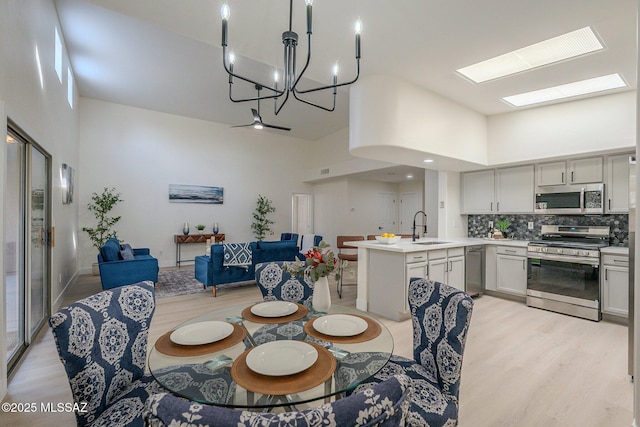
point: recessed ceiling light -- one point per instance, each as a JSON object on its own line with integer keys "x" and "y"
{"x": 428, "y": 160}
{"x": 546, "y": 52}
{"x": 10, "y": 139}
{"x": 583, "y": 87}
{"x": 409, "y": 176}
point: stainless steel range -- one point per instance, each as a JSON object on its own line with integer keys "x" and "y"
{"x": 564, "y": 270}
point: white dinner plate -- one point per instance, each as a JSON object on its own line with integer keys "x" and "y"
{"x": 201, "y": 333}
{"x": 340, "y": 325}
{"x": 274, "y": 309}
{"x": 281, "y": 357}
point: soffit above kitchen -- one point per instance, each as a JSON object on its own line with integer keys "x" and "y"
{"x": 165, "y": 55}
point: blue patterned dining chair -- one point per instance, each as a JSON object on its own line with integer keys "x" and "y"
{"x": 278, "y": 285}
{"x": 102, "y": 343}
{"x": 440, "y": 316}
{"x": 383, "y": 405}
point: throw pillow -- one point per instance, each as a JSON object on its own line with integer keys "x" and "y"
{"x": 126, "y": 252}
{"x": 111, "y": 250}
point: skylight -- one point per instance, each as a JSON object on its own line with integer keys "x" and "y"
{"x": 546, "y": 52}
{"x": 58, "y": 55}
{"x": 583, "y": 87}
{"x": 70, "y": 87}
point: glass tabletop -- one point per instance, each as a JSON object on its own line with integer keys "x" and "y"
{"x": 348, "y": 346}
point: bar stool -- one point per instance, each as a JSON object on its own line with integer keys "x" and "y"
{"x": 345, "y": 256}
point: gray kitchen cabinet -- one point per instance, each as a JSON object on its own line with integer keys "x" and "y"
{"x": 584, "y": 171}
{"x": 553, "y": 173}
{"x": 511, "y": 270}
{"x": 615, "y": 285}
{"x": 578, "y": 171}
{"x": 478, "y": 192}
{"x": 389, "y": 275}
{"x": 617, "y": 184}
{"x": 514, "y": 189}
{"x": 447, "y": 266}
{"x": 506, "y": 190}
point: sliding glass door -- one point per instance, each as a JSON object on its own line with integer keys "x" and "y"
{"x": 38, "y": 230}
{"x": 14, "y": 240}
{"x": 27, "y": 255}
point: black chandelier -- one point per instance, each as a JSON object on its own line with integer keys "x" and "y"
{"x": 290, "y": 79}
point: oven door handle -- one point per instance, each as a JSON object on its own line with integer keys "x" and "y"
{"x": 582, "y": 199}
{"x": 571, "y": 260}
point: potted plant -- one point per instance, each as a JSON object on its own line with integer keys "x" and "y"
{"x": 502, "y": 225}
{"x": 101, "y": 204}
{"x": 261, "y": 224}
{"x": 200, "y": 228}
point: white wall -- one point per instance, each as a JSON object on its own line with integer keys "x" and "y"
{"x": 140, "y": 152}
{"x": 569, "y": 129}
{"x": 451, "y": 223}
{"x": 43, "y": 113}
{"x": 392, "y": 120}
{"x": 431, "y": 198}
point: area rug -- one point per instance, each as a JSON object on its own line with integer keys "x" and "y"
{"x": 177, "y": 282}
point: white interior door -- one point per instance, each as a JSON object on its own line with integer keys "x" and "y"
{"x": 387, "y": 213}
{"x": 301, "y": 214}
{"x": 409, "y": 205}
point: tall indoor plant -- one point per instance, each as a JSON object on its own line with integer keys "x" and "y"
{"x": 101, "y": 204}
{"x": 261, "y": 225}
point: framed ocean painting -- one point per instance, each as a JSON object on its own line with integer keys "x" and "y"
{"x": 195, "y": 194}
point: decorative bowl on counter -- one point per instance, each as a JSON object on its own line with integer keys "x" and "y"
{"x": 388, "y": 240}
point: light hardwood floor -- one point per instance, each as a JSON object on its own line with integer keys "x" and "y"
{"x": 522, "y": 366}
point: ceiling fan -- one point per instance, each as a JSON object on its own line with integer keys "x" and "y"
{"x": 257, "y": 119}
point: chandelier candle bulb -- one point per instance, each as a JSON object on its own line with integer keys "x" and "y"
{"x": 309, "y": 20}
{"x": 358, "y": 32}
{"x": 224, "y": 12}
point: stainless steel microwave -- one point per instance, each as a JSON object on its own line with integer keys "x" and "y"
{"x": 570, "y": 199}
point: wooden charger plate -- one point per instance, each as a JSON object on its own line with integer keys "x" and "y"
{"x": 315, "y": 375}
{"x": 297, "y": 315}
{"x": 373, "y": 330}
{"x": 165, "y": 346}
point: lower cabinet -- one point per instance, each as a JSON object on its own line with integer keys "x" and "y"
{"x": 447, "y": 266}
{"x": 615, "y": 285}
{"x": 511, "y": 270}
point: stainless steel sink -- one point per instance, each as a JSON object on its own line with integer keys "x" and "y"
{"x": 431, "y": 243}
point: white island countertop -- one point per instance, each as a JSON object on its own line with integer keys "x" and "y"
{"x": 422, "y": 244}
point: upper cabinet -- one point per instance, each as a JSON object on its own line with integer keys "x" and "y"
{"x": 478, "y": 194}
{"x": 617, "y": 184}
{"x": 551, "y": 173}
{"x": 584, "y": 171}
{"x": 581, "y": 171}
{"x": 514, "y": 189}
{"x": 507, "y": 190}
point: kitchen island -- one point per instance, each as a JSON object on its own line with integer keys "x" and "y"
{"x": 385, "y": 270}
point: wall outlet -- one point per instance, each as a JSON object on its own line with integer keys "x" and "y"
{"x": 490, "y": 224}
{"x": 530, "y": 225}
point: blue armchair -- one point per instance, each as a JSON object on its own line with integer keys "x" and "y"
{"x": 122, "y": 265}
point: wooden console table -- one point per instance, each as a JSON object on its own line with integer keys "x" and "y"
{"x": 182, "y": 239}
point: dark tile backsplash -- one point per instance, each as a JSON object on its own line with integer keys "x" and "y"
{"x": 478, "y": 225}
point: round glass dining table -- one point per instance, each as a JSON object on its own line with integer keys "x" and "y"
{"x": 235, "y": 358}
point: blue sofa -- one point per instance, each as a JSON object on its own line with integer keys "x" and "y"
{"x": 293, "y": 237}
{"x": 122, "y": 265}
{"x": 212, "y": 271}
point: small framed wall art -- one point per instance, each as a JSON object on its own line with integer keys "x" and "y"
{"x": 66, "y": 182}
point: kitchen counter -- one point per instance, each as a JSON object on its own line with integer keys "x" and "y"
{"x": 384, "y": 270}
{"x": 614, "y": 250}
{"x": 406, "y": 245}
